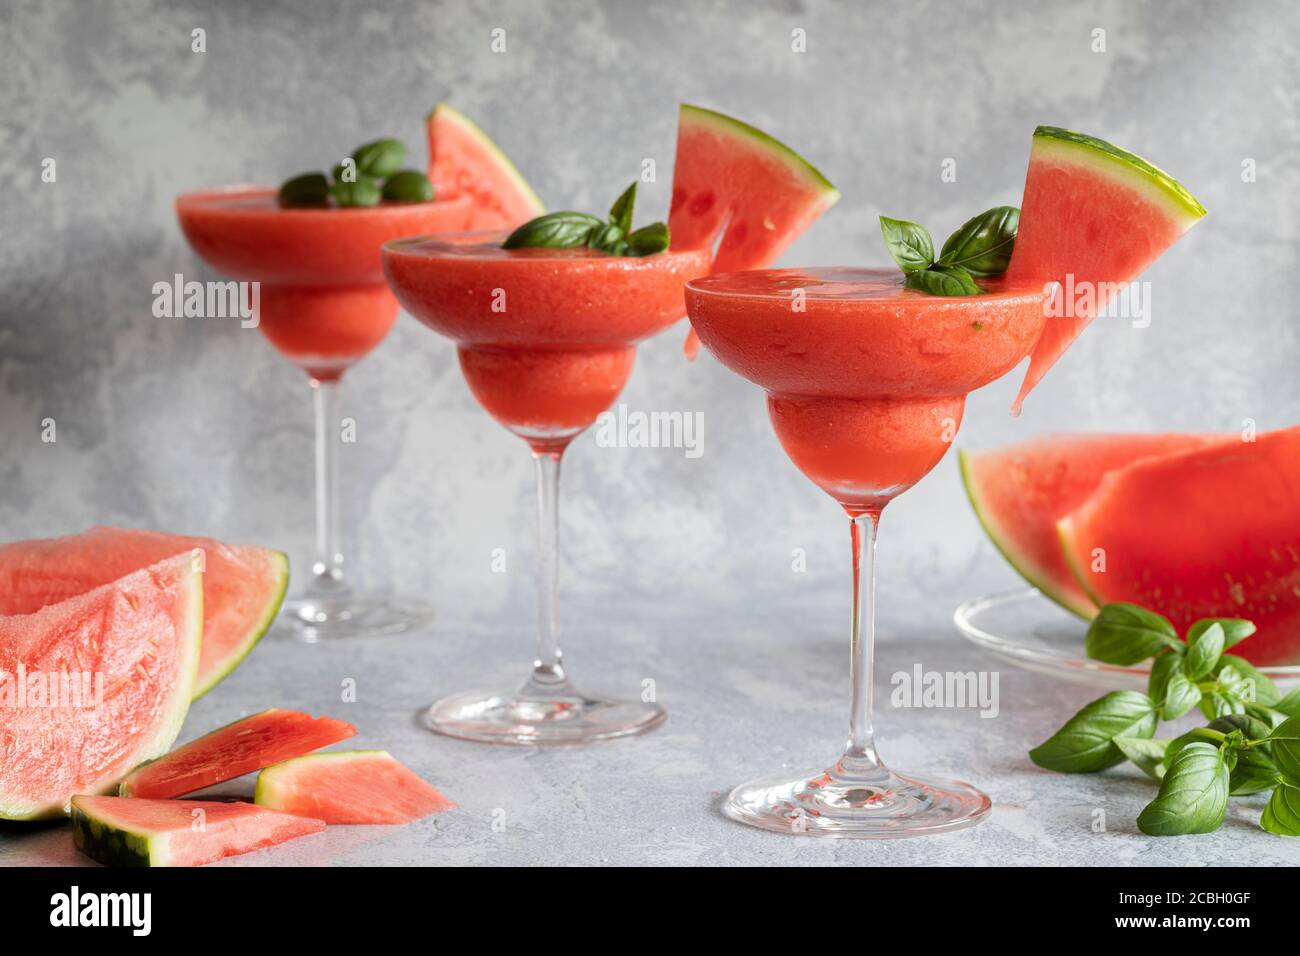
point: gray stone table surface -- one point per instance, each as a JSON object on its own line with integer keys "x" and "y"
{"x": 676, "y": 569}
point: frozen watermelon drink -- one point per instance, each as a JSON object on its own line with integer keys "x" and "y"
{"x": 546, "y": 321}
{"x": 866, "y": 373}
{"x": 313, "y": 248}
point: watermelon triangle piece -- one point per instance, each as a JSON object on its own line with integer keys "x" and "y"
{"x": 349, "y": 786}
{"x": 243, "y": 586}
{"x": 463, "y": 159}
{"x": 1093, "y": 215}
{"x": 233, "y": 750}
{"x": 117, "y": 831}
{"x": 1212, "y": 531}
{"x": 1020, "y": 492}
{"x": 740, "y": 189}
{"x": 114, "y": 669}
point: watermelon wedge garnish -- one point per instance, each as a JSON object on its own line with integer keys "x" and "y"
{"x": 1211, "y": 531}
{"x": 1020, "y": 492}
{"x": 233, "y": 750}
{"x": 463, "y": 160}
{"x": 243, "y": 586}
{"x": 114, "y": 669}
{"x": 117, "y": 831}
{"x": 1092, "y": 215}
{"x": 735, "y": 181}
{"x": 349, "y": 786}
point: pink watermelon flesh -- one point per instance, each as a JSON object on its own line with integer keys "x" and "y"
{"x": 463, "y": 160}
{"x": 735, "y": 181}
{"x": 118, "y": 831}
{"x": 242, "y": 585}
{"x": 234, "y": 750}
{"x": 1207, "y": 532}
{"x": 1020, "y": 492}
{"x": 138, "y": 638}
{"x": 1092, "y": 215}
{"x": 358, "y": 786}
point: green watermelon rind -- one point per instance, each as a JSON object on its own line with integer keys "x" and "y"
{"x": 257, "y": 632}
{"x": 1109, "y": 159}
{"x": 1064, "y": 533}
{"x": 116, "y": 844}
{"x": 503, "y": 162}
{"x": 167, "y": 731}
{"x": 732, "y": 127}
{"x": 1002, "y": 543}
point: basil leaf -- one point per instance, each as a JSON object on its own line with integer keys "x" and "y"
{"x": 1164, "y": 667}
{"x": 1254, "y": 770}
{"x": 608, "y": 238}
{"x": 1181, "y": 695}
{"x": 1193, "y": 794}
{"x": 364, "y": 192}
{"x": 1284, "y": 742}
{"x": 909, "y": 244}
{"x": 620, "y": 214}
{"x": 382, "y": 158}
{"x": 1148, "y": 755}
{"x": 1290, "y": 704}
{"x": 982, "y": 246}
{"x": 1268, "y": 715}
{"x": 1220, "y": 703}
{"x": 1282, "y": 815}
{"x": 1086, "y": 743}
{"x": 1234, "y": 629}
{"x": 1204, "y": 734}
{"x": 648, "y": 240}
{"x": 309, "y": 189}
{"x": 409, "y": 185}
{"x": 555, "y": 230}
{"x": 943, "y": 280}
{"x": 1260, "y": 686}
{"x": 1125, "y": 634}
{"x": 1203, "y": 650}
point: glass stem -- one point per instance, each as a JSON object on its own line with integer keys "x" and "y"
{"x": 548, "y": 668}
{"x": 328, "y": 566}
{"x": 861, "y": 748}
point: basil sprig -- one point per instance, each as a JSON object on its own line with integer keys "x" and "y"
{"x": 981, "y": 247}
{"x": 371, "y": 174}
{"x": 614, "y": 236}
{"x": 1250, "y": 745}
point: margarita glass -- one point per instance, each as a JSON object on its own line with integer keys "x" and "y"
{"x": 866, "y": 381}
{"x": 324, "y": 305}
{"x": 546, "y": 339}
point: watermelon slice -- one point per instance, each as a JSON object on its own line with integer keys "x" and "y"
{"x": 120, "y": 832}
{"x": 1092, "y": 215}
{"x": 349, "y": 786}
{"x": 733, "y": 180}
{"x": 234, "y": 750}
{"x": 462, "y": 159}
{"x": 1020, "y": 492}
{"x": 1207, "y": 532}
{"x": 242, "y": 585}
{"x": 114, "y": 669}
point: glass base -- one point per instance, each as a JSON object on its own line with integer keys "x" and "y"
{"x": 541, "y": 717}
{"x": 861, "y": 803}
{"x": 312, "y": 618}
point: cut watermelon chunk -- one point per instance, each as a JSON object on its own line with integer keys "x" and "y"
{"x": 243, "y": 586}
{"x": 121, "y": 832}
{"x": 233, "y": 750}
{"x": 1092, "y": 215}
{"x": 462, "y": 159}
{"x": 1020, "y": 492}
{"x": 1208, "y": 532}
{"x": 732, "y": 179}
{"x": 349, "y": 786}
{"x": 92, "y": 685}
